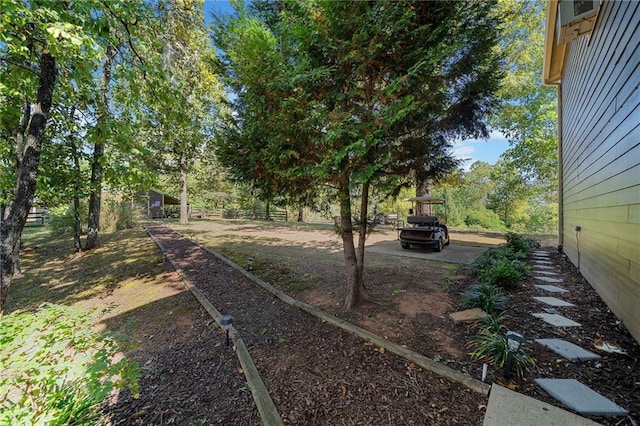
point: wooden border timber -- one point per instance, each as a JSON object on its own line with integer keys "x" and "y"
{"x": 419, "y": 359}
{"x": 266, "y": 408}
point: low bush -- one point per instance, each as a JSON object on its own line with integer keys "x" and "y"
{"x": 118, "y": 215}
{"x": 519, "y": 243}
{"x": 55, "y": 370}
{"x": 61, "y": 219}
{"x": 485, "y": 296}
{"x": 504, "y": 273}
{"x": 492, "y": 255}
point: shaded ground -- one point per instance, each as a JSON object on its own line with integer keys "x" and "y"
{"x": 316, "y": 374}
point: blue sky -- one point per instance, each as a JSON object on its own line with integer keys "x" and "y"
{"x": 488, "y": 150}
{"x": 470, "y": 150}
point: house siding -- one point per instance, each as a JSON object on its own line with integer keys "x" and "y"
{"x": 601, "y": 158}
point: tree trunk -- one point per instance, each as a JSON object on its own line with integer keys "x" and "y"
{"x": 15, "y": 214}
{"x": 424, "y": 188}
{"x": 95, "y": 197}
{"x": 184, "y": 205}
{"x": 77, "y": 228}
{"x": 300, "y": 215}
{"x": 354, "y": 278}
{"x": 267, "y": 212}
{"x": 362, "y": 235}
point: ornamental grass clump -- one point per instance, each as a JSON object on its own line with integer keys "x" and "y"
{"x": 485, "y": 296}
{"x": 55, "y": 370}
{"x": 490, "y": 345}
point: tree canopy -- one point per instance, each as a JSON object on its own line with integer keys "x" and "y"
{"x": 354, "y": 94}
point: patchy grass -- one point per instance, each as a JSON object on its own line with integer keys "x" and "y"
{"x": 54, "y": 272}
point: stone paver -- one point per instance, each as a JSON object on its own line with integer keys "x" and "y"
{"x": 580, "y": 397}
{"x": 557, "y": 320}
{"x": 543, "y": 262}
{"x": 546, "y": 253}
{"x": 551, "y": 288}
{"x": 506, "y": 407}
{"x": 553, "y": 301}
{"x": 568, "y": 350}
{"x": 547, "y": 279}
{"x": 469, "y": 315}
{"x": 543, "y": 256}
{"x": 543, "y": 267}
{"x": 535, "y": 271}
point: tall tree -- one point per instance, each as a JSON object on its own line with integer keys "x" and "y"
{"x": 354, "y": 95}
{"x": 528, "y": 116}
{"x": 42, "y": 44}
{"x": 185, "y": 103}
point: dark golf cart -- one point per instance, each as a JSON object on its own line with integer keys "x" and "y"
{"x": 426, "y": 224}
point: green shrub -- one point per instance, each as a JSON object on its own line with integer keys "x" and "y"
{"x": 118, "y": 215}
{"x": 61, "y": 219}
{"x": 490, "y": 257}
{"x": 55, "y": 370}
{"x": 492, "y": 347}
{"x": 485, "y": 296}
{"x": 504, "y": 273}
{"x": 483, "y": 219}
{"x": 230, "y": 213}
{"x": 519, "y": 243}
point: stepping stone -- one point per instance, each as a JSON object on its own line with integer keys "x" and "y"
{"x": 543, "y": 262}
{"x": 470, "y": 315}
{"x": 553, "y": 301}
{"x": 507, "y": 407}
{"x": 543, "y": 267}
{"x": 557, "y": 320}
{"x": 542, "y": 252}
{"x": 535, "y": 271}
{"x": 568, "y": 350}
{"x": 551, "y": 288}
{"x": 581, "y": 398}
{"x": 544, "y": 256}
{"x": 548, "y": 279}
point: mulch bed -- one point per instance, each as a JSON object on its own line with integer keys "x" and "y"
{"x": 614, "y": 376}
{"x": 316, "y": 374}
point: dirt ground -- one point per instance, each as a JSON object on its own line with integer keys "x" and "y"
{"x": 316, "y": 374}
{"x": 415, "y": 297}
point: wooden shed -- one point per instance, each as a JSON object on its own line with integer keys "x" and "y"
{"x": 157, "y": 202}
{"x": 592, "y": 56}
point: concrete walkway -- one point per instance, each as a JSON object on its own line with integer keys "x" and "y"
{"x": 452, "y": 253}
{"x": 507, "y": 408}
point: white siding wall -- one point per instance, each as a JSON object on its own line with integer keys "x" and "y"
{"x": 601, "y": 158}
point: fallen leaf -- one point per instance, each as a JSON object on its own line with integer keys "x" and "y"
{"x": 240, "y": 370}
{"x": 344, "y": 390}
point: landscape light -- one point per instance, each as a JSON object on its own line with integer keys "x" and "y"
{"x": 249, "y": 263}
{"x": 226, "y": 323}
{"x": 514, "y": 342}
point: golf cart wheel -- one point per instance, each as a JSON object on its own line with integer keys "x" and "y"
{"x": 405, "y": 245}
{"x": 438, "y": 246}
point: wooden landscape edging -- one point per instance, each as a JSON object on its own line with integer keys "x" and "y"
{"x": 266, "y": 408}
{"x": 419, "y": 359}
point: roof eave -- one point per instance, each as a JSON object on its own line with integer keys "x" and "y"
{"x": 553, "y": 53}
